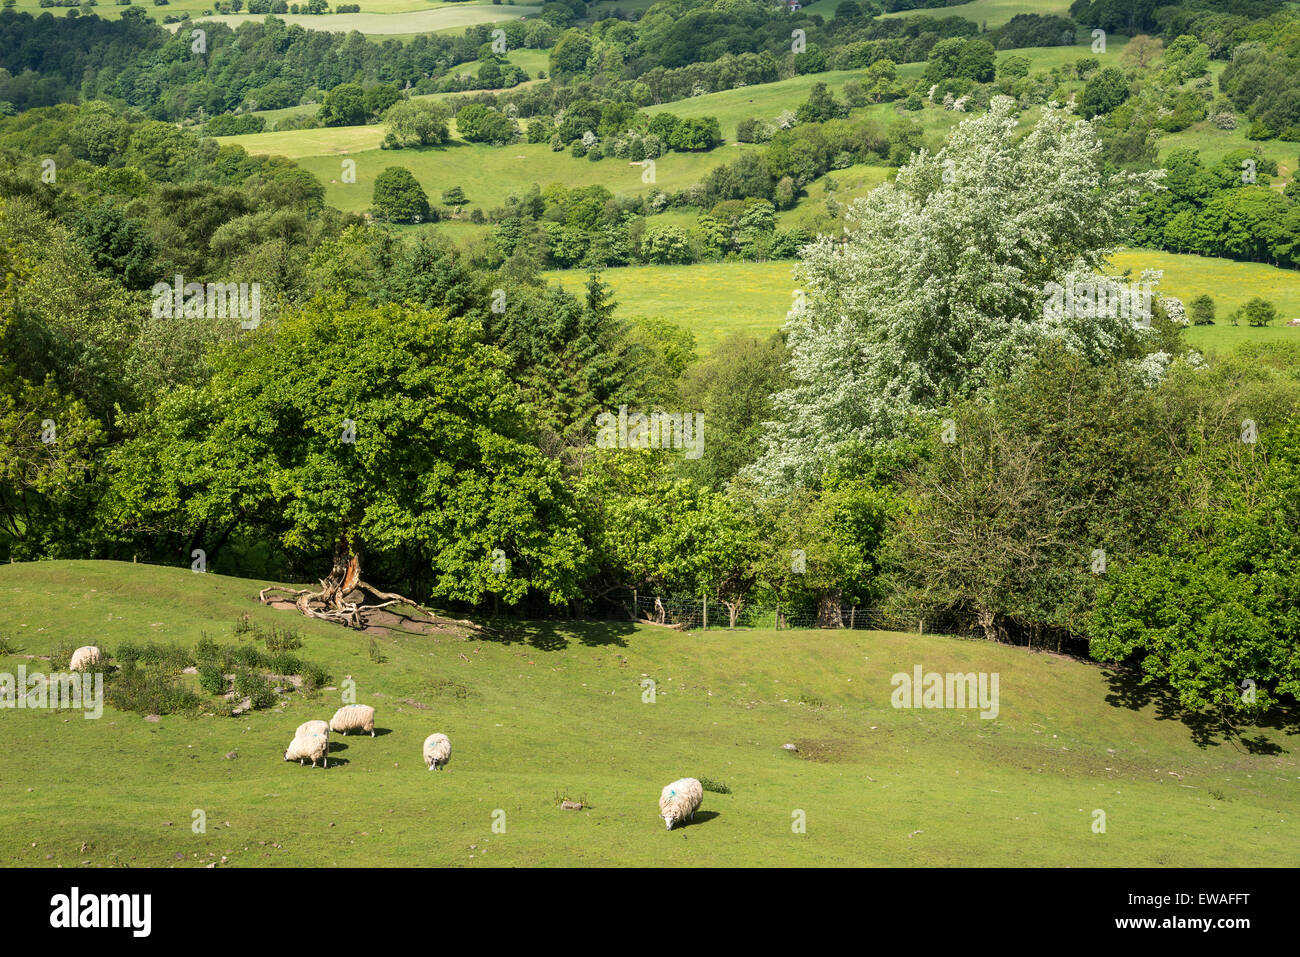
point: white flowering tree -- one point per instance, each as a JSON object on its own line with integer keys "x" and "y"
{"x": 940, "y": 285}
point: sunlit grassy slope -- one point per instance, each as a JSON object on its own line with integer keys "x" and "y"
{"x": 541, "y": 711}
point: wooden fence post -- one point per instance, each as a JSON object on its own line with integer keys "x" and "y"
{"x": 706, "y": 612}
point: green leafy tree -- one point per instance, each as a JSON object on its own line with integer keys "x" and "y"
{"x": 1103, "y": 93}
{"x": 345, "y": 105}
{"x": 1259, "y": 312}
{"x": 416, "y": 123}
{"x": 1202, "y": 310}
{"x": 387, "y": 437}
{"x": 903, "y": 317}
{"x": 398, "y": 197}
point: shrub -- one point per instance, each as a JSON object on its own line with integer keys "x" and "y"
{"x": 61, "y": 655}
{"x": 254, "y": 687}
{"x": 283, "y": 663}
{"x": 212, "y": 678}
{"x": 146, "y": 691}
{"x": 717, "y": 787}
{"x": 282, "y": 640}
{"x": 314, "y": 676}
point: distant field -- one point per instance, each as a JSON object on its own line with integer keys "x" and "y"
{"x": 489, "y": 174}
{"x": 765, "y": 100}
{"x": 447, "y": 16}
{"x": 714, "y": 300}
{"x": 1213, "y": 144}
{"x": 1230, "y": 284}
{"x": 995, "y": 13}
{"x": 325, "y": 141}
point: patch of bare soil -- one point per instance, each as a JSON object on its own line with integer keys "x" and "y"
{"x": 405, "y": 619}
{"x": 826, "y": 750}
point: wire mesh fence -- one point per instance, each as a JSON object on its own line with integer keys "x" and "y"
{"x": 711, "y": 612}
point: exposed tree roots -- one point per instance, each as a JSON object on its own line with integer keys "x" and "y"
{"x": 343, "y": 597}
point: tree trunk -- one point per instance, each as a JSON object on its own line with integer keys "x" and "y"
{"x": 331, "y": 602}
{"x": 828, "y": 610}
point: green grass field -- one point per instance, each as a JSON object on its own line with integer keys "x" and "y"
{"x": 445, "y": 16}
{"x": 765, "y": 100}
{"x": 489, "y": 174}
{"x": 542, "y": 711}
{"x": 712, "y": 300}
{"x": 994, "y": 13}
{"x": 715, "y": 300}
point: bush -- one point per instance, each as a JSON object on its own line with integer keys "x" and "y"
{"x": 212, "y": 678}
{"x": 278, "y": 640}
{"x": 283, "y": 663}
{"x": 314, "y": 676}
{"x": 717, "y": 787}
{"x": 145, "y": 691}
{"x": 165, "y": 657}
{"x": 254, "y": 686}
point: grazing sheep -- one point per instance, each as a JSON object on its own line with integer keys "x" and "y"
{"x": 312, "y": 740}
{"x": 83, "y": 657}
{"x": 354, "y": 717}
{"x": 680, "y": 800}
{"x": 437, "y": 751}
{"x": 308, "y": 728}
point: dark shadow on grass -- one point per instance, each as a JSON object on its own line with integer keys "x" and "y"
{"x": 556, "y": 635}
{"x": 1207, "y": 729}
{"x": 700, "y": 818}
{"x": 337, "y": 746}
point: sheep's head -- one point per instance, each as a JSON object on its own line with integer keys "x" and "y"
{"x": 668, "y": 821}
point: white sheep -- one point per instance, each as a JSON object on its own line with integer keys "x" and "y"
{"x": 354, "y": 717}
{"x": 83, "y": 657}
{"x": 437, "y": 751}
{"x": 680, "y": 800}
{"x": 311, "y": 740}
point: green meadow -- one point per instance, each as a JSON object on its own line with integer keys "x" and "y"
{"x": 716, "y": 300}
{"x": 993, "y": 13}
{"x": 450, "y": 16}
{"x": 539, "y": 712}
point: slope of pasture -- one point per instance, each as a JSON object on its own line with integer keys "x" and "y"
{"x": 765, "y": 100}
{"x": 1213, "y": 144}
{"x": 714, "y": 300}
{"x": 439, "y": 17}
{"x": 1230, "y": 284}
{"x": 489, "y": 174}
{"x": 994, "y": 13}
{"x": 541, "y": 711}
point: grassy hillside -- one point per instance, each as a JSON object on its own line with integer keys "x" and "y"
{"x": 489, "y": 174}
{"x": 440, "y": 17}
{"x": 994, "y": 13}
{"x": 714, "y": 300}
{"x": 537, "y": 712}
